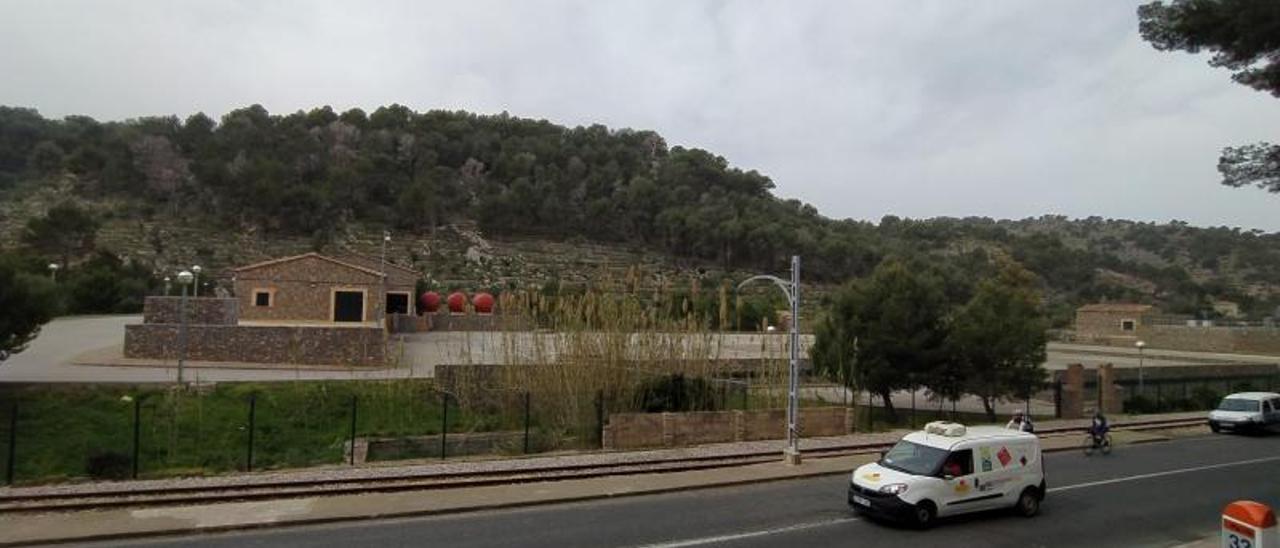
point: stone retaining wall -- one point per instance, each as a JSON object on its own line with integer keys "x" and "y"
{"x": 445, "y": 321}
{"x": 636, "y": 430}
{"x": 1243, "y": 340}
{"x": 307, "y": 345}
{"x": 200, "y": 310}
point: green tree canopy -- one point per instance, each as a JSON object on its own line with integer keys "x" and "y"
{"x": 892, "y": 328}
{"x": 999, "y": 338}
{"x": 27, "y": 301}
{"x": 1244, "y": 36}
{"x": 65, "y": 231}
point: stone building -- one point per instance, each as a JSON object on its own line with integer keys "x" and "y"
{"x": 315, "y": 288}
{"x": 1112, "y": 320}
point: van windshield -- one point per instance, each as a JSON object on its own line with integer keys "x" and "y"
{"x": 914, "y": 458}
{"x": 1237, "y": 404}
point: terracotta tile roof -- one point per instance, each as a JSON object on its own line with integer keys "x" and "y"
{"x": 1115, "y": 307}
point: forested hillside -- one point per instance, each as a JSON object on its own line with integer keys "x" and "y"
{"x": 311, "y": 176}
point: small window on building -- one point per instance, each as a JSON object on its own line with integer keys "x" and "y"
{"x": 261, "y": 298}
{"x": 397, "y": 303}
{"x": 1128, "y": 325}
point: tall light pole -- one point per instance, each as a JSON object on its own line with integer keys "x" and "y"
{"x": 184, "y": 279}
{"x": 196, "y": 270}
{"x": 1140, "y": 346}
{"x": 53, "y": 272}
{"x": 382, "y": 297}
{"x": 790, "y": 455}
{"x": 166, "y": 286}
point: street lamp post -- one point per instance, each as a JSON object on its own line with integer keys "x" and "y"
{"x": 790, "y": 455}
{"x": 53, "y": 272}
{"x": 184, "y": 279}
{"x": 166, "y": 286}
{"x": 196, "y": 270}
{"x": 382, "y": 298}
{"x": 1140, "y": 346}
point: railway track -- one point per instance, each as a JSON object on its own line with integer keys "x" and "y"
{"x": 73, "y": 500}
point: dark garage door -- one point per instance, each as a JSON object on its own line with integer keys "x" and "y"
{"x": 348, "y": 306}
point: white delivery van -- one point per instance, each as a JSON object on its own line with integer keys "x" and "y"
{"x": 947, "y": 469}
{"x": 1257, "y": 411}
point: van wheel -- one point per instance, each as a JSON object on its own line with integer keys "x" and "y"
{"x": 925, "y": 514}
{"x": 1028, "y": 503}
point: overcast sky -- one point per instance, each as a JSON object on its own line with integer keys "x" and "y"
{"x": 1005, "y": 109}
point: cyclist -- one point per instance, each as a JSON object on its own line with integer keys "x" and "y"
{"x": 1020, "y": 422}
{"x": 1098, "y": 427}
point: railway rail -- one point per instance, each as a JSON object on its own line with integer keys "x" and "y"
{"x": 125, "y": 496}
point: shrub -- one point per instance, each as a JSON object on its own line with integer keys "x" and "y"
{"x": 108, "y": 465}
{"x": 1205, "y": 397}
{"x": 1139, "y": 404}
{"x": 675, "y": 393}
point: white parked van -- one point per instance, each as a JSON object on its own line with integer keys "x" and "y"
{"x": 947, "y": 469}
{"x": 1246, "y": 411}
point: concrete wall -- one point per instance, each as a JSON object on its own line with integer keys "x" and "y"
{"x": 445, "y": 321}
{"x": 202, "y": 310}
{"x": 303, "y": 290}
{"x": 634, "y": 430}
{"x": 312, "y": 345}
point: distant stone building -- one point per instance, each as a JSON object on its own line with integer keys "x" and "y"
{"x": 305, "y": 309}
{"x": 321, "y": 289}
{"x": 1227, "y": 309}
{"x": 1104, "y": 321}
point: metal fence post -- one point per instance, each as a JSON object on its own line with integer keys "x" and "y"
{"x": 354, "y": 404}
{"x": 137, "y": 431}
{"x": 12, "y": 462}
{"x": 913, "y": 407}
{"x": 253, "y": 411}
{"x": 1057, "y": 399}
{"x": 526, "y": 423}
{"x": 600, "y": 417}
{"x": 444, "y": 425}
{"x": 871, "y": 411}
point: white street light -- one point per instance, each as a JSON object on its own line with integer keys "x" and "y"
{"x": 791, "y": 454}
{"x": 1140, "y": 346}
{"x": 53, "y": 271}
{"x": 184, "y": 279}
{"x": 196, "y": 270}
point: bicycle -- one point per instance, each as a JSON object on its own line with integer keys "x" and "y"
{"x": 1095, "y": 443}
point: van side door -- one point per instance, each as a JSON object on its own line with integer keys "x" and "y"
{"x": 961, "y": 484}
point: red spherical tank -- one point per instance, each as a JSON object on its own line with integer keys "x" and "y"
{"x": 483, "y": 303}
{"x": 457, "y": 302}
{"x": 430, "y": 301}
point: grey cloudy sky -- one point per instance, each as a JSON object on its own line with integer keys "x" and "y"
{"x": 1004, "y": 109}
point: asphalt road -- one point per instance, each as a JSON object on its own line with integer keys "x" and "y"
{"x": 1160, "y": 494}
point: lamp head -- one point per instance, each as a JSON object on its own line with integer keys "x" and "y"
{"x": 185, "y": 277}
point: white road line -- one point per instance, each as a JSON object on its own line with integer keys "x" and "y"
{"x": 751, "y": 534}
{"x": 812, "y": 525}
{"x": 1161, "y": 474}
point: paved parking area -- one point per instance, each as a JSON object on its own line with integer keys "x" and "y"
{"x": 66, "y": 346}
